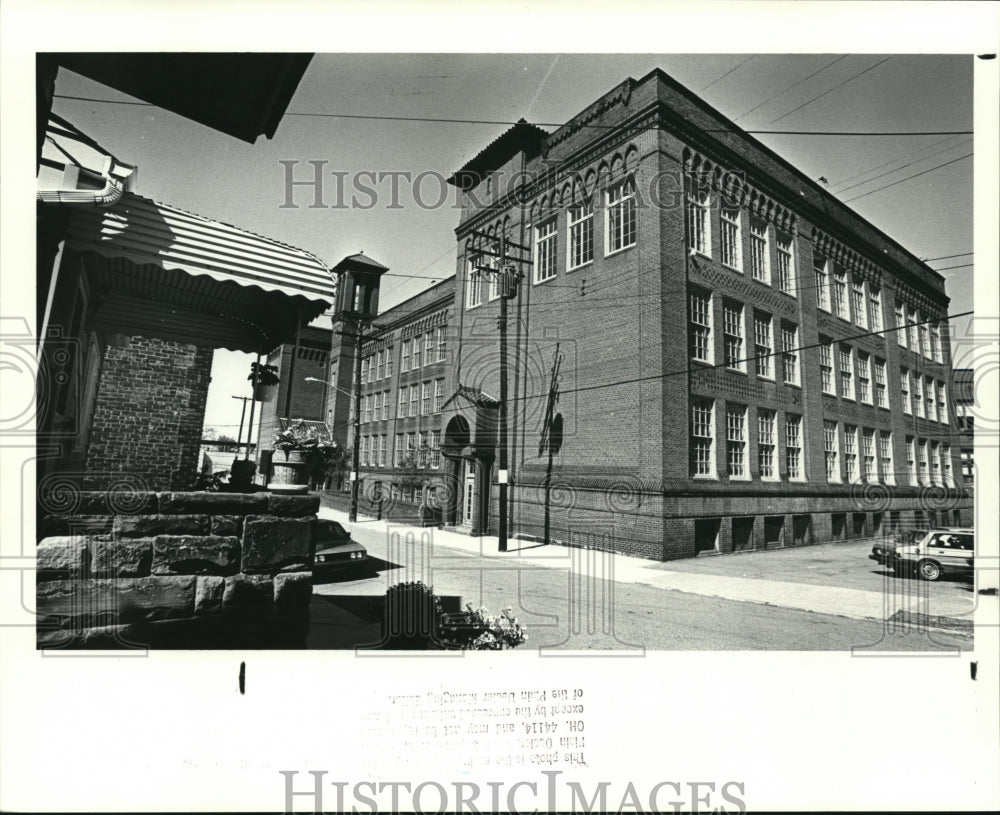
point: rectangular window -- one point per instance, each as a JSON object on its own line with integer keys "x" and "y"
{"x": 912, "y": 339}
{"x": 881, "y": 397}
{"x": 404, "y": 362}
{"x": 363, "y": 452}
{"x": 421, "y": 449}
{"x": 736, "y": 441}
{"x": 765, "y": 444}
{"x": 388, "y": 361}
{"x": 397, "y": 453}
{"x": 874, "y": 308}
{"x": 858, "y": 303}
{"x": 911, "y": 461}
{"x": 925, "y": 343}
{"x": 438, "y": 395}
{"x": 425, "y": 398}
{"x": 946, "y": 465}
{"x": 364, "y": 370}
{"x": 868, "y": 453}
{"x": 904, "y": 387}
{"x": 732, "y": 250}
{"x": 414, "y": 393}
{"x": 621, "y": 217}
{"x": 851, "y": 452}
{"x": 763, "y": 347}
{"x": 936, "y": 343}
{"x": 381, "y": 363}
{"x": 702, "y": 436}
{"x": 435, "y": 451}
{"x": 698, "y": 223}
{"x": 826, "y": 365}
{"x": 901, "y": 329}
{"x": 760, "y": 256}
{"x": 918, "y": 395}
{"x": 793, "y": 446}
{"x": 545, "y": 251}
{"x": 922, "y": 471}
{"x": 822, "y": 286}
{"x": 381, "y": 450}
{"x": 885, "y": 456}
{"x": 846, "y": 372}
{"x": 864, "y": 378}
{"x": 386, "y": 406}
{"x": 840, "y": 294}
{"x": 473, "y": 290}
{"x": 942, "y": 404}
{"x": 830, "y": 451}
{"x": 411, "y": 447}
{"x": 442, "y": 341}
{"x": 929, "y": 391}
{"x": 786, "y": 265}
{"x": 935, "y": 463}
{"x": 581, "y": 235}
{"x": 494, "y": 282}
{"x": 700, "y": 326}
{"x": 401, "y": 412}
{"x": 732, "y": 322}
{"x": 790, "y": 354}
{"x": 417, "y": 352}
{"x": 429, "y": 345}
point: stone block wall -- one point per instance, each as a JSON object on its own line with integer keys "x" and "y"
{"x": 180, "y": 570}
{"x": 149, "y": 414}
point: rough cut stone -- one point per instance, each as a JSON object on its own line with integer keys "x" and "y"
{"x": 125, "y": 637}
{"x": 63, "y": 557}
{"x": 276, "y": 544}
{"x": 127, "y": 558}
{"x": 55, "y": 525}
{"x": 213, "y": 503}
{"x": 149, "y": 526}
{"x": 292, "y": 591}
{"x": 227, "y": 525}
{"x": 208, "y": 595}
{"x": 101, "y": 502}
{"x": 292, "y": 506}
{"x": 95, "y": 603}
{"x": 248, "y": 593}
{"x": 191, "y": 554}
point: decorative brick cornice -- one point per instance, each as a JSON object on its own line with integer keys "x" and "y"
{"x": 857, "y": 263}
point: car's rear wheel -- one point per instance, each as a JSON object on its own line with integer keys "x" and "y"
{"x": 929, "y": 570}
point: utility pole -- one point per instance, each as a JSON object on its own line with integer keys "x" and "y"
{"x": 243, "y": 413}
{"x": 356, "y": 452}
{"x": 503, "y": 475}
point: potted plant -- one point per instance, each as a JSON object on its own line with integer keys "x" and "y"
{"x": 303, "y": 450}
{"x": 264, "y": 379}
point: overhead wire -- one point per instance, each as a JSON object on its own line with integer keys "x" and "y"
{"x": 830, "y": 90}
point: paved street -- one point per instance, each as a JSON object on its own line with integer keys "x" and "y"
{"x": 828, "y": 597}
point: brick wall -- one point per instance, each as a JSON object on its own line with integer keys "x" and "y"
{"x": 120, "y": 569}
{"x": 149, "y": 414}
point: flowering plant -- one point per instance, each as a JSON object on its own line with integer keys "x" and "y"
{"x": 478, "y": 630}
{"x": 263, "y": 374}
{"x": 302, "y": 437}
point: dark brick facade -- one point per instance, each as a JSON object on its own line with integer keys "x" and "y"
{"x": 149, "y": 415}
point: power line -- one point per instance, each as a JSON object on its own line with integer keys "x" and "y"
{"x": 947, "y": 257}
{"x": 727, "y": 73}
{"x": 434, "y": 120}
{"x": 831, "y": 90}
{"x": 915, "y": 175}
{"x": 893, "y": 160}
{"x": 795, "y": 85}
{"x": 901, "y": 167}
{"x": 709, "y": 366}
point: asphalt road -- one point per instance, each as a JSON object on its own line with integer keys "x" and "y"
{"x": 599, "y": 614}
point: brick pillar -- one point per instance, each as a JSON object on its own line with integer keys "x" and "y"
{"x": 149, "y": 414}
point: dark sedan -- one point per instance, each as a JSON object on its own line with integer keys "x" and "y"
{"x": 884, "y": 553}
{"x": 336, "y": 550}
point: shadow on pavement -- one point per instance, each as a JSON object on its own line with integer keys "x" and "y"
{"x": 346, "y": 622}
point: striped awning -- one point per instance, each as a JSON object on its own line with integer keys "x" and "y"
{"x": 197, "y": 275}
{"x": 147, "y": 232}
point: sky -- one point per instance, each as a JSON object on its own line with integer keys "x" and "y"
{"x": 193, "y": 167}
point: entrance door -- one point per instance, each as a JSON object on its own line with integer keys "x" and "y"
{"x": 468, "y": 493}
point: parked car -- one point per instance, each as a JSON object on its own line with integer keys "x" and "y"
{"x": 336, "y": 550}
{"x": 946, "y": 550}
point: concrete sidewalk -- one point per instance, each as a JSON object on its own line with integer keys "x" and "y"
{"x": 907, "y": 599}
